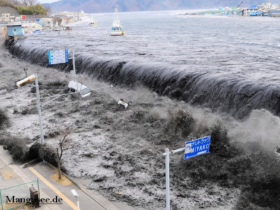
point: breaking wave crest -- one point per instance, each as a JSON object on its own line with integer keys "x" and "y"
{"x": 232, "y": 96}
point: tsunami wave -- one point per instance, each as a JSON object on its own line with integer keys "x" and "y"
{"x": 224, "y": 94}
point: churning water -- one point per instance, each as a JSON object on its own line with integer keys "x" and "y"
{"x": 229, "y": 64}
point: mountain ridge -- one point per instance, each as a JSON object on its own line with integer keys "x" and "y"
{"x": 96, "y": 6}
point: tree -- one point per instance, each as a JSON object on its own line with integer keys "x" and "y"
{"x": 25, "y": 3}
{"x": 48, "y": 9}
{"x": 15, "y": 2}
{"x": 31, "y": 2}
{"x": 61, "y": 149}
{"x": 31, "y": 10}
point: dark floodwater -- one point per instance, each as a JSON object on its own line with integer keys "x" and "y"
{"x": 229, "y": 64}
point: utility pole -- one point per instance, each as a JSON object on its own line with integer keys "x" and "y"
{"x": 74, "y": 67}
{"x": 39, "y": 108}
{"x": 30, "y": 79}
{"x": 167, "y": 178}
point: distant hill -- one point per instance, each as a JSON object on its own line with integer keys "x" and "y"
{"x": 143, "y": 5}
{"x": 16, "y": 10}
{"x": 7, "y": 7}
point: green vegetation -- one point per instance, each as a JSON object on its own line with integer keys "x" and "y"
{"x": 4, "y": 3}
{"x": 37, "y": 9}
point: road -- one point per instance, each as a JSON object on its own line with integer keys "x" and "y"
{"x": 15, "y": 175}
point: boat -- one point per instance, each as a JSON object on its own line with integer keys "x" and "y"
{"x": 116, "y": 29}
{"x": 67, "y": 28}
{"x": 36, "y": 32}
{"x": 56, "y": 27}
{"x": 92, "y": 23}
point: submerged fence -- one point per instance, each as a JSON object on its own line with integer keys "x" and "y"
{"x": 18, "y": 195}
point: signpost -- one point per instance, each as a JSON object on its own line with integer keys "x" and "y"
{"x": 192, "y": 149}
{"x": 197, "y": 147}
{"x": 61, "y": 56}
{"x": 58, "y": 56}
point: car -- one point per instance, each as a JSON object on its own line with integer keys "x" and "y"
{"x": 78, "y": 87}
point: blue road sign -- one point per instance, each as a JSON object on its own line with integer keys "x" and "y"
{"x": 58, "y": 56}
{"x": 197, "y": 147}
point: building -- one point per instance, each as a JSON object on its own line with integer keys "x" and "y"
{"x": 15, "y": 32}
{"x": 269, "y": 6}
{"x": 252, "y": 11}
{"x": 36, "y": 26}
{"x": 5, "y": 17}
{"x": 47, "y": 23}
{"x": 6, "y": 13}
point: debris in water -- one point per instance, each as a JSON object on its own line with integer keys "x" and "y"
{"x": 122, "y": 103}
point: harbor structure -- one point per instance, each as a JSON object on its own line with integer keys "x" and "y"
{"x": 265, "y": 9}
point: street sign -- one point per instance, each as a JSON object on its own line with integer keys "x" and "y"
{"x": 192, "y": 149}
{"x": 58, "y": 56}
{"x": 197, "y": 147}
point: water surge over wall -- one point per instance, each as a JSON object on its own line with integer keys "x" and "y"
{"x": 222, "y": 94}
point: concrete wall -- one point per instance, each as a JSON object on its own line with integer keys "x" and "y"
{"x": 10, "y": 10}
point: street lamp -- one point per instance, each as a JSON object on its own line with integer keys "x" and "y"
{"x": 76, "y": 195}
{"x": 30, "y": 79}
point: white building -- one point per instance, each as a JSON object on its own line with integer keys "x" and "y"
{"x": 269, "y": 6}
{"x": 48, "y": 23}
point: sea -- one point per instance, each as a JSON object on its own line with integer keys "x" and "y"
{"x": 229, "y": 64}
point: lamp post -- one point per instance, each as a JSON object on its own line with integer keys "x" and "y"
{"x": 75, "y": 194}
{"x": 74, "y": 68}
{"x": 30, "y": 79}
{"x": 39, "y": 109}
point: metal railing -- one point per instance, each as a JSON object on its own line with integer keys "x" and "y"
{"x": 16, "y": 196}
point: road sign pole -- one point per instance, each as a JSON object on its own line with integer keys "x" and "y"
{"x": 39, "y": 108}
{"x": 167, "y": 179}
{"x": 193, "y": 148}
{"x": 74, "y": 68}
